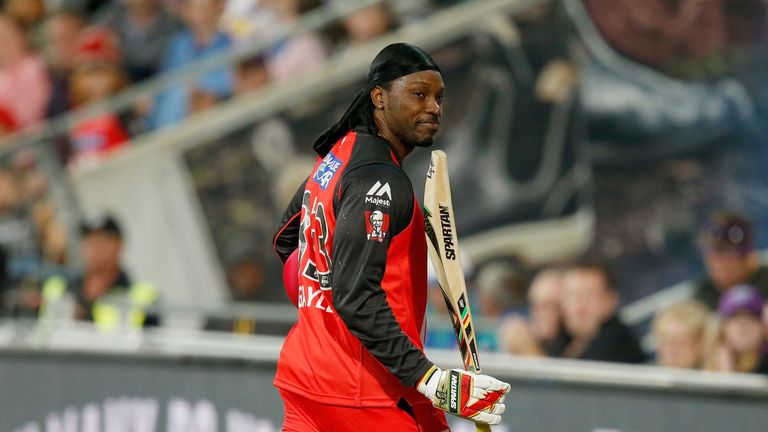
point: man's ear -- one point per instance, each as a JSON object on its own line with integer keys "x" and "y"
{"x": 378, "y": 97}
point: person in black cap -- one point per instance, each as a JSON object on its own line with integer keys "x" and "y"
{"x": 727, "y": 243}
{"x": 103, "y": 292}
{"x": 354, "y": 360}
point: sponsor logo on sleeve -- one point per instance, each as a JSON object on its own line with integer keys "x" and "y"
{"x": 379, "y": 195}
{"x": 376, "y": 225}
{"x": 327, "y": 169}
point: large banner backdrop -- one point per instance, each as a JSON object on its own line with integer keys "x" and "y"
{"x": 48, "y": 392}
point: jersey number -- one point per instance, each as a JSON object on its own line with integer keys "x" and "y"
{"x": 313, "y": 236}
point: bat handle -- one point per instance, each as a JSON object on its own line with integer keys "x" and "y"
{"x": 482, "y": 427}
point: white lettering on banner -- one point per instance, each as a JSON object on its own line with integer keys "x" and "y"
{"x": 310, "y": 297}
{"x": 67, "y": 422}
{"x": 91, "y": 418}
{"x": 185, "y": 417}
{"x": 124, "y": 414}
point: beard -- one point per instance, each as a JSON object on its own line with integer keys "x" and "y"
{"x": 412, "y": 139}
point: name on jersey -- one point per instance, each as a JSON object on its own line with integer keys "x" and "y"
{"x": 379, "y": 195}
{"x": 327, "y": 169}
{"x": 445, "y": 222}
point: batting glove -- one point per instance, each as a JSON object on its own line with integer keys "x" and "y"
{"x": 479, "y": 398}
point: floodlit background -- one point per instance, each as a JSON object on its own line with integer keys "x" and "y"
{"x": 609, "y": 166}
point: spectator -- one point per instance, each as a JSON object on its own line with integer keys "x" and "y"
{"x": 589, "y": 306}
{"x": 60, "y": 36}
{"x": 201, "y": 38}
{"x": 543, "y": 334}
{"x": 103, "y": 291}
{"x": 369, "y": 23}
{"x": 97, "y": 75}
{"x": 741, "y": 346}
{"x": 246, "y": 284}
{"x": 252, "y": 74}
{"x": 727, "y": 243}
{"x": 500, "y": 287}
{"x": 24, "y": 84}
{"x": 144, "y": 29}
{"x": 301, "y": 53}
{"x": 28, "y": 13}
{"x": 679, "y": 334}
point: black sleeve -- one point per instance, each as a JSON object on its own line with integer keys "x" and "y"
{"x": 286, "y": 238}
{"x": 367, "y": 196}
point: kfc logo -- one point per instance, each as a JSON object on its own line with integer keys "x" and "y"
{"x": 376, "y": 225}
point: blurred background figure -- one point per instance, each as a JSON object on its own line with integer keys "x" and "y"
{"x": 369, "y": 23}
{"x": 200, "y": 38}
{"x": 103, "y": 291}
{"x": 300, "y": 53}
{"x": 60, "y": 38}
{"x": 246, "y": 281}
{"x": 740, "y": 341}
{"x": 542, "y": 334}
{"x": 97, "y": 75}
{"x": 589, "y": 306}
{"x": 251, "y": 74}
{"x": 679, "y": 332}
{"x": 24, "y": 84}
{"x": 727, "y": 243}
{"x": 500, "y": 288}
{"x": 144, "y": 29}
{"x": 29, "y": 13}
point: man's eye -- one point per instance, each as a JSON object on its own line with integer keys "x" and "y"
{"x": 418, "y": 94}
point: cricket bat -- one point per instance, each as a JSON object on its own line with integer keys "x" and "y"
{"x": 442, "y": 243}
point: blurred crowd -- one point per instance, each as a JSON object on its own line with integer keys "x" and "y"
{"x": 571, "y": 310}
{"x": 60, "y": 55}
{"x": 65, "y": 54}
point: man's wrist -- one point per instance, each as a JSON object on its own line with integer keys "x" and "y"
{"x": 427, "y": 385}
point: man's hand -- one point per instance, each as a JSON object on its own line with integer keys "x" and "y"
{"x": 479, "y": 398}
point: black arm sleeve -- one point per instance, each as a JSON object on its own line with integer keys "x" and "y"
{"x": 286, "y": 238}
{"x": 367, "y": 195}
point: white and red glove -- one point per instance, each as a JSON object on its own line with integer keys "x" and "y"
{"x": 477, "y": 397}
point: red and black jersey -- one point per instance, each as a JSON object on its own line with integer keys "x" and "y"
{"x": 362, "y": 279}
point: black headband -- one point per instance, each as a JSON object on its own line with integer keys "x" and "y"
{"x": 394, "y": 61}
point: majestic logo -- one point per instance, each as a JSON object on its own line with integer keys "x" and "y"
{"x": 376, "y": 225}
{"x": 453, "y": 399}
{"x": 445, "y": 222}
{"x": 327, "y": 169}
{"x": 377, "y": 193}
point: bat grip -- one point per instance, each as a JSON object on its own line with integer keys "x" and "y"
{"x": 482, "y": 427}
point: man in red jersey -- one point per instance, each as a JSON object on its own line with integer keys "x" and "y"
{"x": 354, "y": 361}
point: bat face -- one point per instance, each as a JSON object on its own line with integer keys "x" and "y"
{"x": 440, "y": 227}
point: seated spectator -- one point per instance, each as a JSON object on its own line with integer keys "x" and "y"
{"x": 298, "y": 54}
{"x": 60, "y": 35}
{"x": 542, "y": 334}
{"x": 679, "y": 334}
{"x": 252, "y": 74}
{"x": 103, "y": 291}
{"x": 246, "y": 284}
{"x": 500, "y": 287}
{"x": 29, "y": 13}
{"x": 24, "y": 84}
{"x": 96, "y": 76}
{"x": 727, "y": 243}
{"x": 741, "y": 345}
{"x": 369, "y": 23}
{"x": 201, "y": 38}
{"x": 144, "y": 29}
{"x": 589, "y": 306}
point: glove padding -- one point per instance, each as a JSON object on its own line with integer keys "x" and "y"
{"x": 477, "y": 397}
